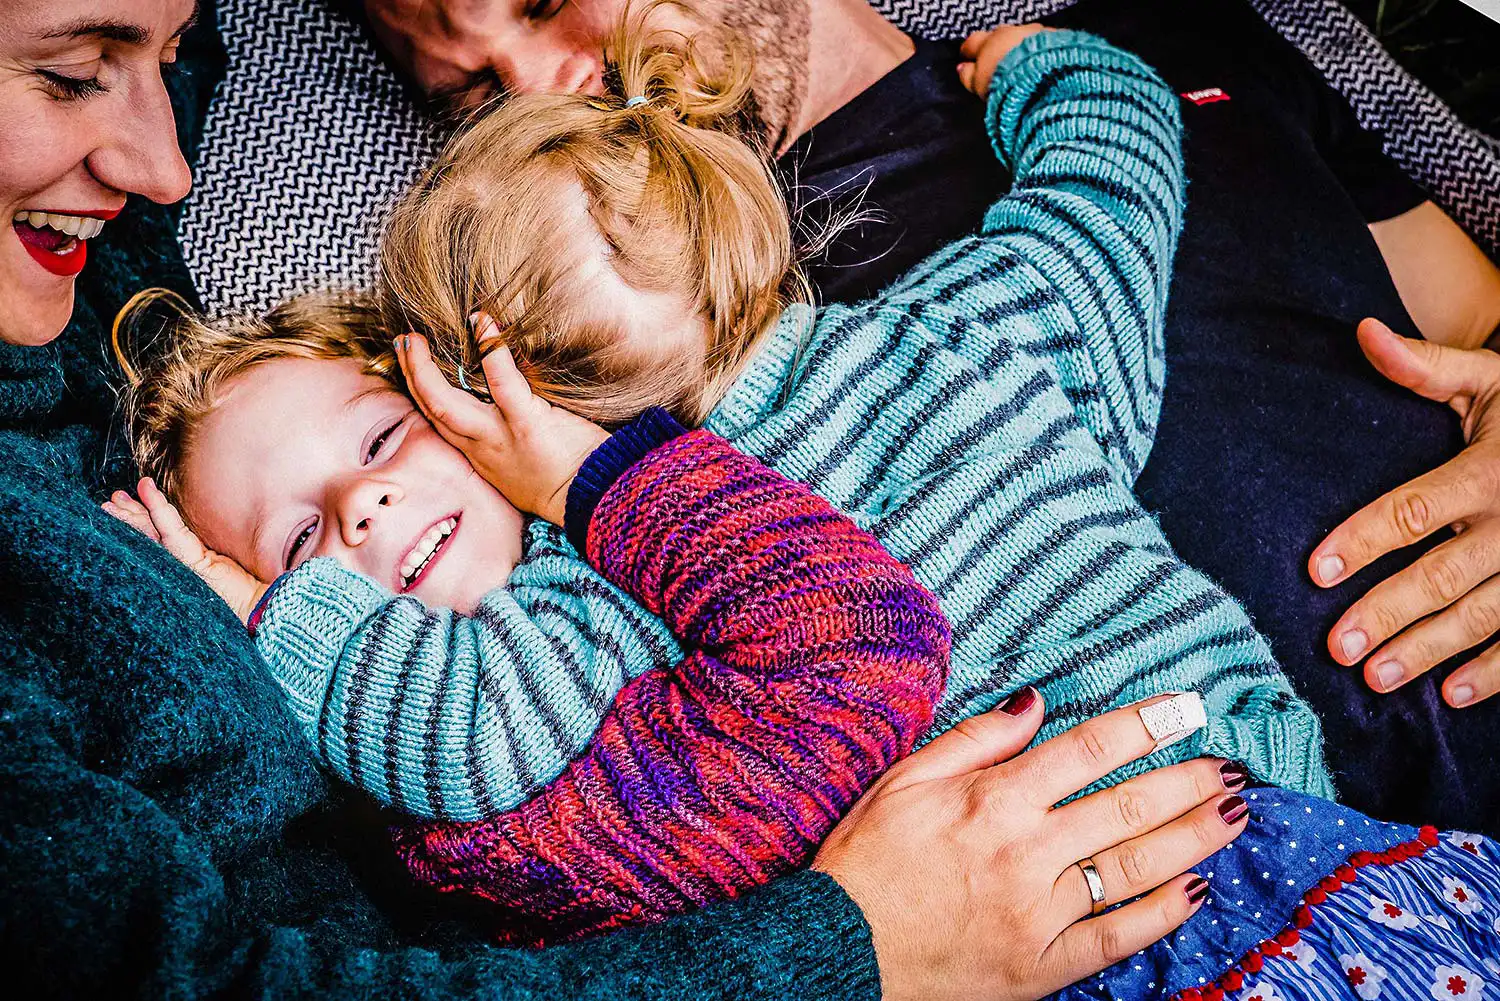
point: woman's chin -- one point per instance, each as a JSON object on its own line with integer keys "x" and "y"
{"x": 27, "y": 322}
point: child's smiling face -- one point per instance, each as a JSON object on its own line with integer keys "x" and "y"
{"x": 304, "y": 458}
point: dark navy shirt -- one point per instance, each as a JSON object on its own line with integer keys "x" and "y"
{"x": 1274, "y": 427}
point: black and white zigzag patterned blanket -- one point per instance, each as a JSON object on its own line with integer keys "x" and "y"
{"x": 310, "y": 126}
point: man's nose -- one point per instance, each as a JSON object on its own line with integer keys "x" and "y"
{"x": 549, "y": 70}
{"x": 360, "y": 505}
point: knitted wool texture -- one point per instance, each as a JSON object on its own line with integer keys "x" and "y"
{"x": 162, "y": 830}
{"x": 815, "y": 662}
{"x": 984, "y": 419}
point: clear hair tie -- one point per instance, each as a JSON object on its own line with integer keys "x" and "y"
{"x": 635, "y": 101}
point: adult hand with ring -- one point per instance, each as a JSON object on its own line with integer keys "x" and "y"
{"x": 969, "y": 874}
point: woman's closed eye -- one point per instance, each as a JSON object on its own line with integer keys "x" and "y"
{"x": 69, "y": 86}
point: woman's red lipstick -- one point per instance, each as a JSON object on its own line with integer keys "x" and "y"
{"x": 42, "y": 244}
{"x": 57, "y": 252}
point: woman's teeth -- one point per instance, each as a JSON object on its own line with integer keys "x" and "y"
{"x": 423, "y": 551}
{"x": 74, "y": 225}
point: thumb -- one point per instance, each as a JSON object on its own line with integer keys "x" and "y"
{"x": 1431, "y": 370}
{"x": 978, "y": 742}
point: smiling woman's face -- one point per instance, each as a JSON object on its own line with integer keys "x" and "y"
{"x": 86, "y": 122}
{"x": 304, "y": 458}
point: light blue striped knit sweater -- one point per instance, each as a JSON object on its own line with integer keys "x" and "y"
{"x": 985, "y": 418}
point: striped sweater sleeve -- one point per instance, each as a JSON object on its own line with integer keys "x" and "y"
{"x": 1072, "y": 265}
{"x": 442, "y": 715}
{"x": 815, "y": 661}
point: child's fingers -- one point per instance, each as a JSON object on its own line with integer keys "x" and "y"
{"x": 966, "y": 75}
{"x": 127, "y": 503}
{"x": 138, "y": 520}
{"x": 971, "y": 46}
{"x": 180, "y": 540}
{"x": 508, "y": 387}
{"x": 450, "y": 409}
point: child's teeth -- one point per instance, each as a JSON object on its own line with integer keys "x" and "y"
{"x": 425, "y": 547}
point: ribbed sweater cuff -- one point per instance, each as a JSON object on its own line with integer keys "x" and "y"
{"x": 259, "y": 611}
{"x": 1019, "y": 77}
{"x": 811, "y": 942}
{"x": 608, "y": 463}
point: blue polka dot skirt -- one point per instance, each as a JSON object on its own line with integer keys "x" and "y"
{"x": 1315, "y": 902}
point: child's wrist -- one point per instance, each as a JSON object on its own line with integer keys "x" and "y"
{"x": 607, "y": 463}
{"x": 254, "y": 608}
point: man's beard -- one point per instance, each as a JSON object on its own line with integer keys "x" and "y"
{"x": 778, "y": 33}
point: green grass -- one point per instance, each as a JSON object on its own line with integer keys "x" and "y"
{"x": 1446, "y": 44}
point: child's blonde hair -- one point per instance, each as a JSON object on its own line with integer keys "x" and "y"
{"x": 175, "y": 380}
{"x": 684, "y": 201}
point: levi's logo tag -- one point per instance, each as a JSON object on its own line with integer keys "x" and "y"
{"x": 1206, "y": 96}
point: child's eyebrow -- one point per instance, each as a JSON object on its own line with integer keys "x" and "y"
{"x": 363, "y": 394}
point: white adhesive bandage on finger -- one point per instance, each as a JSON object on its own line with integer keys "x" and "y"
{"x": 1174, "y": 719}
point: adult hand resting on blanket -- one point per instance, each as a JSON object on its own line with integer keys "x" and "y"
{"x": 1449, "y": 600}
{"x": 980, "y": 833}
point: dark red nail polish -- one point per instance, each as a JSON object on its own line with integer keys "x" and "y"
{"x": 1196, "y": 890}
{"x": 1232, "y": 809}
{"x": 1234, "y": 775}
{"x": 1018, "y": 702}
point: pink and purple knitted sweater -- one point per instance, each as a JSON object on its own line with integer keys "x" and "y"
{"x": 815, "y": 660}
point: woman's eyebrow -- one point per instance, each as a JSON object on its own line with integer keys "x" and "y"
{"x": 112, "y": 30}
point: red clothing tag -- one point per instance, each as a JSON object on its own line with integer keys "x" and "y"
{"x": 1206, "y": 96}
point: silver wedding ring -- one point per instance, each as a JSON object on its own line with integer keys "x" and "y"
{"x": 1096, "y": 885}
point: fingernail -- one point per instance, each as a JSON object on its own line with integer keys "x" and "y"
{"x": 1388, "y": 675}
{"x": 1196, "y": 889}
{"x": 1329, "y": 568}
{"x": 1234, "y": 775}
{"x": 1353, "y": 643}
{"x": 1461, "y": 695}
{"x": 474, "y": 318}
{"x": 1019, "y": 702}
{"x": 1232, "y": 809}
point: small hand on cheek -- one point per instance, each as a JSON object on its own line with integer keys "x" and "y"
{"x": 522, "y": 445}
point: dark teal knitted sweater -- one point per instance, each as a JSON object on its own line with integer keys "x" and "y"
{"x": 163, "y": 832}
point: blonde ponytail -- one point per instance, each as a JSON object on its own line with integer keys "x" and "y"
{"x": 684, "y": 201}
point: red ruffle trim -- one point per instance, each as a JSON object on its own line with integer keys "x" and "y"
{"x": 1345, "y": 875}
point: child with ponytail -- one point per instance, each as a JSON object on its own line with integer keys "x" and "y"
{"x": 984, "y": 419}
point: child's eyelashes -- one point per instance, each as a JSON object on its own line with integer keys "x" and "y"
{"x": 378, "y": 443}
{"x": 299, "y": 542}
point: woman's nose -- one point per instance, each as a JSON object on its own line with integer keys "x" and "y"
{"x": 142, "y": 156}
